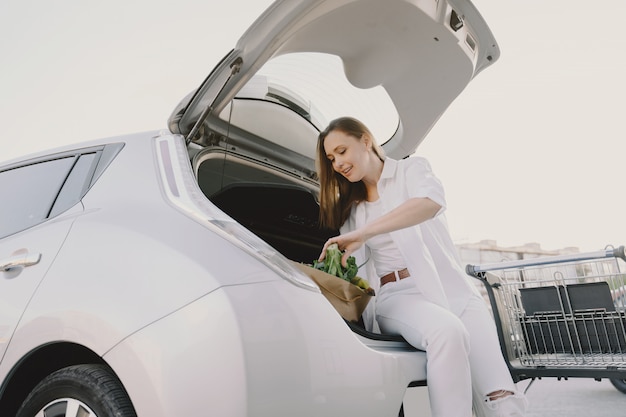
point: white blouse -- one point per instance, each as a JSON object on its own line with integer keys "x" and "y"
{"x": 427, "y": 248}
{"x": 384, "y": 253}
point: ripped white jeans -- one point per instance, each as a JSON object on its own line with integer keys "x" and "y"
{"x": 464, "y": 361}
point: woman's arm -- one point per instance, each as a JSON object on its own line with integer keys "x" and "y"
{"x": 410, "y": 213}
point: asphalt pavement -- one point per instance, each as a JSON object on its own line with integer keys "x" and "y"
{"x": 549, "y": 397}
{"x": 575, "y": 397}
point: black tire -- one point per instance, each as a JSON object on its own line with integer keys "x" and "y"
{"x": 620, "y": 384}
{"x": 92, "y": 388}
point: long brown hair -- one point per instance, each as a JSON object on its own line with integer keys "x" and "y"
{"x": 337, "y": 194}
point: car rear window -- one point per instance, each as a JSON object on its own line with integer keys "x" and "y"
{"x": 315, "y": 84}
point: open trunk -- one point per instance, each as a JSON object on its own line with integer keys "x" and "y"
{"x": 279, "y": 208}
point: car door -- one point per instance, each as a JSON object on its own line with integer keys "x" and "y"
{"x": 40, "y": 200}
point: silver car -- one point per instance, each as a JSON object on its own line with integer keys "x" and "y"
{"x": 152, "y": 274}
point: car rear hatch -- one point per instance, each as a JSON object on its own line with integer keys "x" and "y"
{"x": 422, "y": 53}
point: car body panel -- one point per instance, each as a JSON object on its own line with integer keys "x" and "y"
{"x": 289, "y": 358}
{"x": 43, "y": 240}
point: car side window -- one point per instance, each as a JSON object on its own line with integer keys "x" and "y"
{"x": 29, "y": 192}
{"x": 76, "y": 184}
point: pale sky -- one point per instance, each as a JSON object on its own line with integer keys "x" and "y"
{"x": 531, "y": 151}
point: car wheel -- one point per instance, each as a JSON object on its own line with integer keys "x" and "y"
{"x": 620, "y": 384}
{"x": 78, "y": 391}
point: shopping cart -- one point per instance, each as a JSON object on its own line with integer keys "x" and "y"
{"x": 561, "y": 316}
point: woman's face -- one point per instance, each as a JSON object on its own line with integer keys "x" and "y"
{"x": 348, "y": 155}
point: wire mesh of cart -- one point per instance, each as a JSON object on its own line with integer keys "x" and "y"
{"x": 560, "y": 316}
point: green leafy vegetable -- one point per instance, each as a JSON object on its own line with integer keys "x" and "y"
{"x": 332, "y": 265}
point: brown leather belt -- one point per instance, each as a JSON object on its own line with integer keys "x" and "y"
{"x": 391, "y": 277}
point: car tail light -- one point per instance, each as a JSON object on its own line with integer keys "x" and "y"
{"x": 181, "y": 189}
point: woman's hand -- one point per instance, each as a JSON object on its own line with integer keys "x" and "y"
{"x": 348, "y": 243}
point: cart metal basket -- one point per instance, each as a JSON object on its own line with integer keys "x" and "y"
{"x": 560, "y": 316}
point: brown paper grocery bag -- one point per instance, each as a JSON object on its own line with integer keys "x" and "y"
{"x": 348, "y": 299}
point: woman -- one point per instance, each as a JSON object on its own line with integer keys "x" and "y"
{"x": 390, "y": 212}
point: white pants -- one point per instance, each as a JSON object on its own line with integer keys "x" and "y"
{"x": 463, "y": 353}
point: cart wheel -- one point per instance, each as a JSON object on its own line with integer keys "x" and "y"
{"x": 620, "y": 384}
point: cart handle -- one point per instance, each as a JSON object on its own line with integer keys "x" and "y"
{"x": 603, "y": 254}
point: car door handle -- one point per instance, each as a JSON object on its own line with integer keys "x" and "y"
{"x": 17, "y": 261}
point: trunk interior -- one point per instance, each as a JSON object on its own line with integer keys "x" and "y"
{"x": 280, "y": 209}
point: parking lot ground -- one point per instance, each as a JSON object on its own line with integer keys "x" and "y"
{"x": 575, "y": 397}
{"x": 549, "y": 397}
